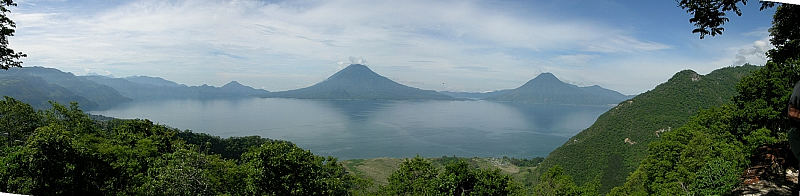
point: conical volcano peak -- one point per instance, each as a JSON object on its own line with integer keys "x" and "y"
{"x": 355, "y": 72}
{"x": 546, "y": 88}
{"x": 357, "y": 81}
{"x": 544, "y": 79}
{"x": 233, "y": 84}
{"x": 546, "y": 76}
{"x": 356, "y": 66}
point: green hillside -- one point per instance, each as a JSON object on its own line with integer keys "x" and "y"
{"x": 98, "y": 96}
{"x": 740, "y": 144}
{"x": 615, "y": 144}
{"x": 38, "y": 93}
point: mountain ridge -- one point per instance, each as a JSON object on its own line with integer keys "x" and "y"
{"x": 614, "y": 145}
{"x": 357, "y": 81}
{"x": 100, "y": 96}
{"x": 546, "y": 88}
{"x": 156, "y": 89}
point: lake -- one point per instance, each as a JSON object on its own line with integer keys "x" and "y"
{"x": 354, "y": 129}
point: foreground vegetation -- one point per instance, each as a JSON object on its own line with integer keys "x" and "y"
{"x": 709, "y": 154}
{"x": 62, "y": 151}
{"x": 378, "y": 170}
{"x": 613, "y": 146}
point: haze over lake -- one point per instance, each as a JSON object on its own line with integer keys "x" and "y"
{"x": 350, "y": 129}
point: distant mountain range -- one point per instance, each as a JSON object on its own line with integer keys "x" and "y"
{"x": 149, "y": 88}
{"x": 37, "y": 92}
{"x": 357, "y": 81}
{"x": 38, "y": 85}
{"x": 153, "y": 81}
{"x": 547, "y": 89}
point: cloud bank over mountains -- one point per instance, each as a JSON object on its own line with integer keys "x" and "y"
{"x": 279, "y": 45}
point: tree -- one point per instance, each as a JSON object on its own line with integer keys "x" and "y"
{"x": 785, "y": 32}
{"x": 709, "y": 15}
{"x": 52, "y": 163}
{"x": 763, "y": 97}
{"x": 459, "y": 178}
{"x": 17, "y": 121}
{"x": 281, "y": 168}
{"x": 492, "y": 182}
{"x": 187, "y": 172}
{"x": 418, "y": 176}
{"x": 8, "y": 57}
{"x": 414, "y": 177}
{"x": 555, "y": 182}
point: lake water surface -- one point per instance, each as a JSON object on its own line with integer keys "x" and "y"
{"x": 350, "y": 129}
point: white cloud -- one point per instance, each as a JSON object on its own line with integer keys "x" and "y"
{"x": 289, "y": 44}
{"x": 619, "y": 43}
{"x": 574, "y": 59}
{"x": 755, "y": 54}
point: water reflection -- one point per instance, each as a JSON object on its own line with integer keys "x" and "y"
{"x": 356, "y": 110}
{"x": 367, "y": 129}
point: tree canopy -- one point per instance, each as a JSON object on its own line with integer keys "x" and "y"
{"x": 61, "y": 151}
{"x": 418, "y": 176}
{"x": 8, "y": 57}
{"x": 785, "y": 32}
{"x": 709, "y": 15}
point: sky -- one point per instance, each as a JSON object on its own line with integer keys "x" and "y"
{"x": 454, "y": 45}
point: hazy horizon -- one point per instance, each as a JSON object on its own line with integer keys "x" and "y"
{"x": 472, "y": 46}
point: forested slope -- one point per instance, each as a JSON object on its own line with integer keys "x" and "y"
{"x": 615, "y": 144}
{"x": 708, "y": 155}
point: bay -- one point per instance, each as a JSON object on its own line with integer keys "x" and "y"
{"x": 353, "y": 129}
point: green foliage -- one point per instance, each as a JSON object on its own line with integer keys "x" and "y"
{"x": 187, "y": 172}
{"x": 70, "y": 154}
{"x": 709, "y": 15}
{"x": 673, "y": 163}
{"x": 418, "y": 176}
{"x": 229, "y": 148}
{"x": 763, "y": 97}
{"x": 492, "y": 182}
{"x": 634, "y": 185}
{"x": 555, "y": 183}
{"x": 50, "y": 163}
{"x": 532, "y": 162}
{"x": 281, "y": 168}
{"x": 17, "y": 121}
{"x": 708, "y": 154}
{"x": 600, "y": 151}
{"x": 760, "y": 137}
{"x": 717, "y": 177}
{"x": 9, "y": 57}
{"x": 414, "y": 177}
{"x": 785, "y": 33}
